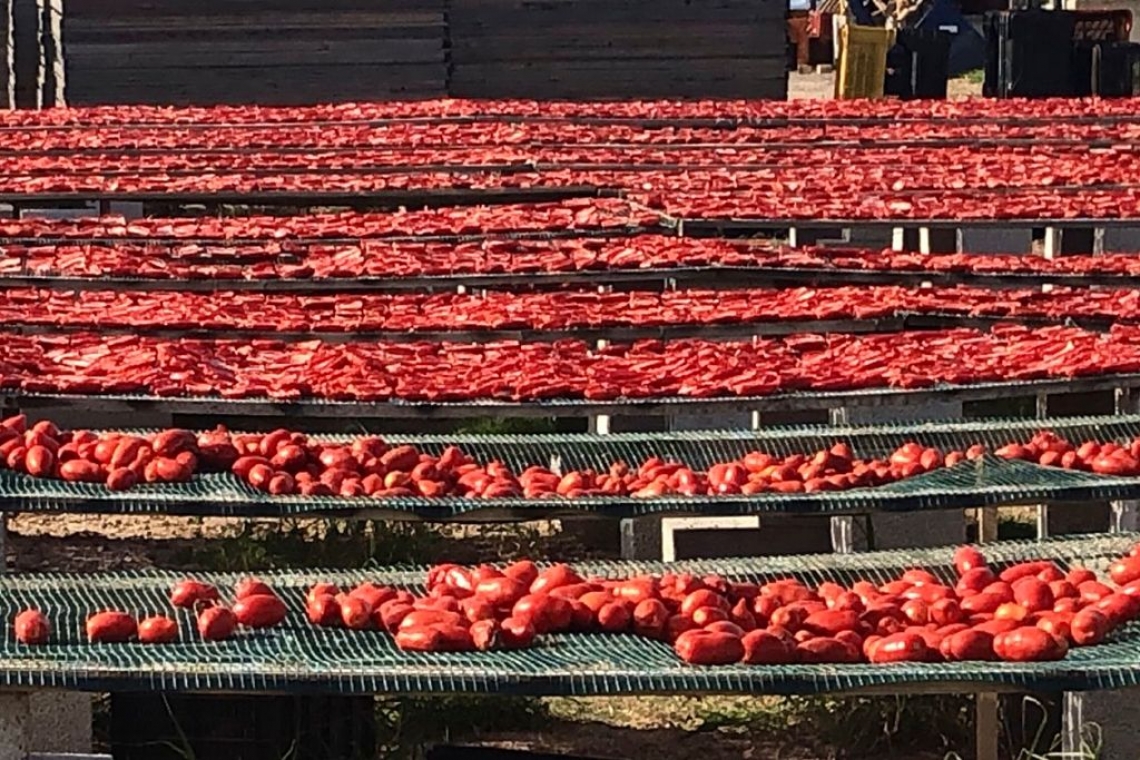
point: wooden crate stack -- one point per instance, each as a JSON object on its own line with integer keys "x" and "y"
{"x": 599, "y": 49}
{"x": 276, "y": 52}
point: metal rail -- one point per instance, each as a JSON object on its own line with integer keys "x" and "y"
{"x": 395, "y": 408}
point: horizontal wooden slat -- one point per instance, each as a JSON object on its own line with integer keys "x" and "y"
{"x": 106, "y": 9}
{"x": 194, "y": 25}
{"x": 264, "y": 53}
{"x": 655, "y": 41}
{"x": 610, "y": 79}
{"x": 651, "y": 8}
{"x": 267, "y": 85}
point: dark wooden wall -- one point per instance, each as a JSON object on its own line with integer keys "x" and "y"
{"x": 288, "y": 52}
{"x": 617, "y": 48}
{"x": 252, "y": 51}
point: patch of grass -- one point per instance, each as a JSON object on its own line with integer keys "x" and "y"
{"x": 977, "y": 76}
{"x": 332, "y": 544}
{"x": 862, "y": 726}
{"x": 406, "y": 726}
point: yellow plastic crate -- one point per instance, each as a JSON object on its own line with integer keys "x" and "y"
{"x": 862, "y": 68}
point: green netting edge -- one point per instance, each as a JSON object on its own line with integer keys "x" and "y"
{"x": 988, "y": 481}
{"x": 298, "y": 658}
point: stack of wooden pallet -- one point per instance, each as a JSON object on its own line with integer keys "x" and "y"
{"x": 593, "y": 49}
{"x": 277, "y": 52}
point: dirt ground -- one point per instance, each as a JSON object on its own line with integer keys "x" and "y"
{"x": 818, "y": 86}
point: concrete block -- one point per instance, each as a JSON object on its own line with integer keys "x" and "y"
{"x": 1083, "y": 517}
{"x": 994, "y": 240}
{"x": 886, "y": 414}
{"x": 1120, "y": 240}
{"x": 62, "y": 721}
{"x": 915, "y": 529}
{"x": 777, "y": 535}
{"x": 714, "y": 420}
{"x": 1080, "y": 404}
{"x": 869, "y": 236}
{"x": 1117, "y": 715}
{"x": 15, "y": 726}
{"x": 128, "y": 209}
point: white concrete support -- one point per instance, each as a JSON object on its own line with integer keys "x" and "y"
{"x": 1042, "y": 509}
{"x": 1126, "y": 514}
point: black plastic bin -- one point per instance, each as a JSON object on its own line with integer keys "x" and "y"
{"x": 1029, "y": 54}
{"x": 918, "y": 66}
{"x": 1107, "y": 69}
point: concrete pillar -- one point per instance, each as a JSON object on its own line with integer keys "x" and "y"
{"x": 995, "y": 240}
{"x": 15, "y": 726}
{"x": 1120, "y": 240}
{"x": 1113, "y": 712}
{"x": 715, "y": 420}
{"x": 127, "y": 209}
{"x": 914, "y": 529}
{"x": 62, "y": 721}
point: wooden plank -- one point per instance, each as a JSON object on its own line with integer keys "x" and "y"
{"x": 365, "y": 24}
{"x": 275, "y": 85}
{"x": 7, "y": 57}
{"x": 264, "y": 53}
{"x": 522, "y": 18}
{"x": 107, "y": 9}
{"x": 714, "y": 78}
{"x": 253, "y": 35}
{"x": 652, "y": 8}
{"x": 28, "y": 55}
{"x": 711, "y": 41}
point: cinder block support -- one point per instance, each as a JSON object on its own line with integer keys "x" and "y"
{"x": 719, "y": 420}
{"x": 15, "y": 726}
{"x": 127, "y": 209}
{"x": 642, "y": 537}
{"x": 62, "y": 721}
{"x": 896, "y": 531}
{"x": 1115, "y": 713}
{"x": 994, "y": 240}
{"x": 1120, "y": 240}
